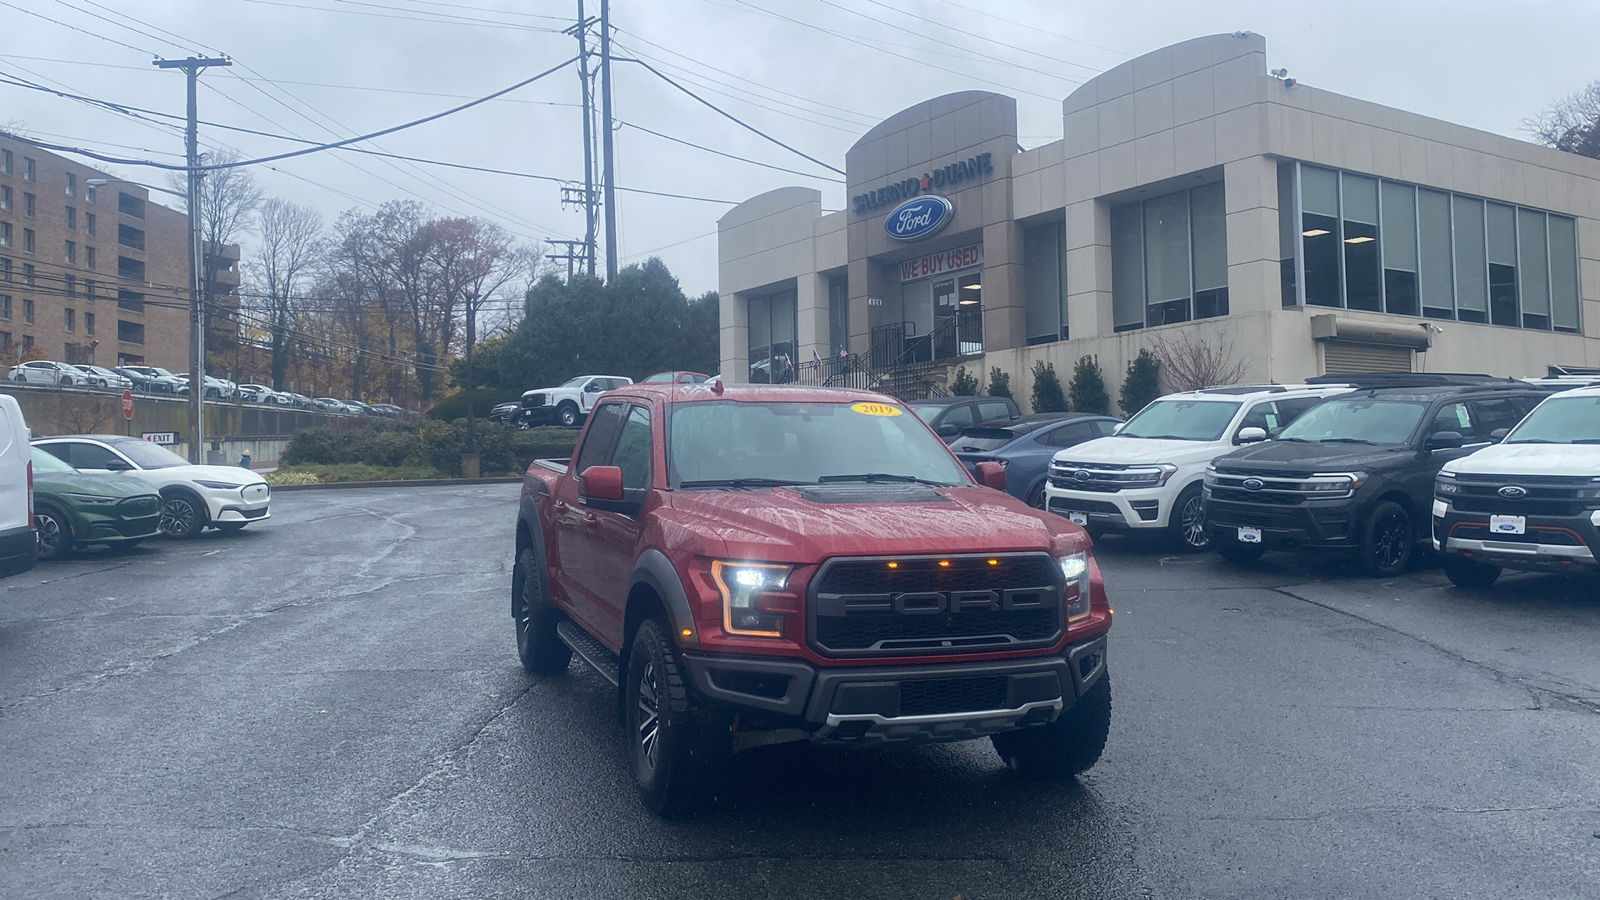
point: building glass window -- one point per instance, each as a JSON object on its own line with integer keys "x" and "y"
{"x": 5, "y": 196}
{"x": 72, "y": 218}
{"x": 130, "y": 332}
{"x": 71, "y": 252}
{"x": 27, "y": 311}
{"x": 5, "y": 162}
{"x": 5, "y": 269}
{"x": 838, "y": 315}
{"x": 88, "y": 193}
{"x": 88, "y": 223}
{"x": 27, "y": 342}
{"x": 29, "y": 276}
{"x": 5, "y": 306}
{"x": 30, "y": 204}
{"x": 5, "y": 234}
{"x": 70, "y": 285}
{"x": 1169, "y": 259}
{"x": 130, "y": 301}
{"x": 1044, "y": 283}
{"x": 27, "y": 240}
{"x": 88, "y": 289}
{"x": 772, "y": 338}
{"x": 70, "y": 319}
{"x": 72, "y": 184}
{"x": 88, "y": 323}
{"x": 29, "y": 169}
{"x": 88, "y": 257}
{"x": 1440, "y": 255}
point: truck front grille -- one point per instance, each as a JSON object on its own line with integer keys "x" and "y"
{"x": 866, "y": 606}
{"x": 952, "y": 695}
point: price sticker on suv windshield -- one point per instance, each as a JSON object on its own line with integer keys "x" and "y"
{"x": 875, "y": 409}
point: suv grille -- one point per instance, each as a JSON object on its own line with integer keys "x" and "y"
{"x": 862, "y": 606}
{"x": 1278, "y": 489}
{"x": 1104, "y": 478}
{"x": 952, "y": 695}
{"x": 1547, "y": 495}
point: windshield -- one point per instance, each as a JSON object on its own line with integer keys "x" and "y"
{"x": 575, "y": 382}
{"x": 46, "y": 464}
{"x": 150, "y": 456}
{"x": 1182, "y": 420}
{"x": 727, "y": 441}
{"x": 1365, "y": 421}
{"x": 1560, "y": 420}
{"x": 162, "y": 372}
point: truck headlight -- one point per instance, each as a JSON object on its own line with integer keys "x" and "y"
{"x": 739, "y": 583}
{"x": 1075, "y": 572}
{"x": 1211, "y": 475}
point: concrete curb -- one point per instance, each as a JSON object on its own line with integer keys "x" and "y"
{"x": 421, "y": 482}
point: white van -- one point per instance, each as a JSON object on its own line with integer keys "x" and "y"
{"x": 19, "y": 547}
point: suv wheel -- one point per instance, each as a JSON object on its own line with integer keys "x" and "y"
{"x": 671, "y": 749}
{"x": 1069, "y": 745}
{"x": 538, "y": 646}
{"x": 1187, "y": 523}
{"x": 182, "y": 515}
{"x": 1387, "y": 540}
{"x": 568, "y": 414}
{"x": 1471, "y": 574}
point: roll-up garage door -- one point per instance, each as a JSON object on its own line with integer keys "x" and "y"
{"x": 1349, "y": 357}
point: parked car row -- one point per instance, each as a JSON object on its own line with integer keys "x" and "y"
{"x": 61, "y": 494}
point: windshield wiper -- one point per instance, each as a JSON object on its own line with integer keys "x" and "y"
{"x": 1161, "y": 437}
{"x": 739, "y": 483}
{"x": 1346, "y": 441}
{"x": 878, "y": 477}
{"x": 1295, "y": 440}
{"x": 1530, "y": 441}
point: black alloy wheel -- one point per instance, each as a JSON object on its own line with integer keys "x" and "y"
{"x": 181, "y": 516}
{"x": 1387, "y": 540}
{"x": 540, "y": 649}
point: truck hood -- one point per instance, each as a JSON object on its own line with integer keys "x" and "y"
{"x": 1273, "y": 457}
{"x": 782, "y": 525}
{"x": 1129, "y": 451}
{"x": 1530, "y": 459}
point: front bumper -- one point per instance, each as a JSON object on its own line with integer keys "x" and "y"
{"x": 249, "y": 505}
{"x": 1312, "y": 525}
{"x": 1130, "y": 509}
{"x": 1549, "y": 543}
{"x": 868, "y": 706}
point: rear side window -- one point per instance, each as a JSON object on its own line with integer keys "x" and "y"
{"x": 993, "y": 409}
{"x": 1263, "y": 416}
{"x": 601, "y": 436}
{"x": 1289, "y": 410}
{"x": 59, "y": 451}
{"x": 1068, "y": 435}
{"x": 958, "y": 417}
{"x": 1492, "y": 415}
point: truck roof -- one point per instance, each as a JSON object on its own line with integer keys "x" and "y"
{"x": 751, "y": 393}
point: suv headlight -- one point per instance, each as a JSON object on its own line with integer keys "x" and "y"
{"x": 1075, "y": 571}
{"x": 1211, "y": 475}
{"x": 739, "y": 583}
{"x": 88, "y": 498}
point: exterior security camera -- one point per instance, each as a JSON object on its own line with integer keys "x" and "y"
{"x": 1279, "y": 73}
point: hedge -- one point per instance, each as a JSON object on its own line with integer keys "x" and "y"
{"x": 437, "y": 445}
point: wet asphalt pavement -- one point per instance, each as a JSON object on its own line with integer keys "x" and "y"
{"x": 330, "y": 706}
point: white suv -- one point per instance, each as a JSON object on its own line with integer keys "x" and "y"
{"x": 1148, "y": 476}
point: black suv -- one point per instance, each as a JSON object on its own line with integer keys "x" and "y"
{"x": 1355, "y": 473}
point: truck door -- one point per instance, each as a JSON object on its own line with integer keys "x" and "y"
{"x": 577, "y": 565}
{"x": 614, "y": 535}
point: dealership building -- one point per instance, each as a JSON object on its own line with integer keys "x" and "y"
{"x": 1194, "y": 199}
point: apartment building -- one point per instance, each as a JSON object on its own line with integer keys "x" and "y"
{"x": 91, "y": 271}
{"x": 1194, "y": 195}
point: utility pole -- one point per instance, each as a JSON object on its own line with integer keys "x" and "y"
{"x": 610, "y": 160}
{"x": 472, "y": 338}
{"x": 585, "y": 80}
{"x": 572, "y": 255}
{"x": 197, "y": 333}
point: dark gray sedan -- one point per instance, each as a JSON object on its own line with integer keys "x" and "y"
{"x": 1024, "y": 447}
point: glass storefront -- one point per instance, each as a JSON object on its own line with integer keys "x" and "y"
{"x": 939, "y": 318}
{"x": 772, "y": 325}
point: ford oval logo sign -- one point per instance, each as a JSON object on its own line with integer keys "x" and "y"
{"x": 918, "y": 218}
{"x": 1513, "y": 492}
{"x": 1081, "y": 475}
{"x": 1252, "y": 484}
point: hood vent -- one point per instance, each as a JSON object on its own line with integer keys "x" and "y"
{"x": 853, "y": 492}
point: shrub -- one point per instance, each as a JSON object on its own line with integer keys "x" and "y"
{"x": 999, "y": 383}
{"x": 434, "y": 446}
{"x": 1142, "y": 384}
{"x": 484, "y": 399}
{"x": 1046, "y": 394}
{"x": 965, "y": 383}
{"x": 1088, "y": 388}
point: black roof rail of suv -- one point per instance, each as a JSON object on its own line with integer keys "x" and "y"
{"x": 1408, "y": 379}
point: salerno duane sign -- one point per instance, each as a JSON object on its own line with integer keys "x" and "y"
{"x": 963, "y": 170}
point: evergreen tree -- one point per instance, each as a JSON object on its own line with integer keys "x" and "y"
{"x": 1046, "y": 394}
{"x": 999, "y": 383}
{"x": 1142, "y": 384}
{"x": 1088, "y": 388}
{"x": 965, "y": 383}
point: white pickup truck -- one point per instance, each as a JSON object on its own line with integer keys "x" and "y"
{"x": 568, "y": 403}
{"x": 1148, "y": 476}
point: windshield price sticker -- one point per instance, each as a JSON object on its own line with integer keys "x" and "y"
{"x": 875, "y": 409}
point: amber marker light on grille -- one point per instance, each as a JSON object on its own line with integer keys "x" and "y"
{"x": 894, "y": 565}
{"x": 994, "y": 562}
{"x": 687, "y": 632}
{"x": 944, "y": 563}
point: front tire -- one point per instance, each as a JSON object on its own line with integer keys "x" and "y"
{"x": 1470, "y": 574}
{"x": 55, "y": 533}
{"x": 1036, "y": 497}
{"x": 1187, "y": 523}
{"x": 182, "y": 515}
{"x": 672, "y": 752}
{"x": 538, "y": 646}
{"x": 1066, "y": 747}
{"x": 568, "y": 414}
{"x": 1386, "y": 540}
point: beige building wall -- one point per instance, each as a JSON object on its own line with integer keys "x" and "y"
{"x": 1201, "y": 111}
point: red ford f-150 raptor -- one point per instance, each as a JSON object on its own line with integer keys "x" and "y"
{"x": 759, "y": 564}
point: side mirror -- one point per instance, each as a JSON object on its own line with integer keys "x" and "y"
{"x": 601, "y": 483}
{"x": 1499, "y": 434}
{"x": 1445, "y": 440}
{"x": 992, "y": 475}
{"x": 1251, "y": 435}
{"x": 117, "y": 465}
{"x": 592, "y": 387}
{"x": 948, "y": 431}
{"x": 1120, "y": 426}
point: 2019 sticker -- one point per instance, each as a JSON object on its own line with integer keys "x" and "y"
{"x": 875, "y": 409}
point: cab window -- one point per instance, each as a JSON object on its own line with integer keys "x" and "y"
{"x": 1454, "y": 417}
{"x": 633, "y": 449}
{"x": 601, "y": 436}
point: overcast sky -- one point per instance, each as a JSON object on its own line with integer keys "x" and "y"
{"x": 813, "y": 73}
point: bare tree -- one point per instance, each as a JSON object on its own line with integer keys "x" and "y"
{"x": 1189, "y": 362}
{"x": 291, "y": 248}
{"x": 229, "y": 198}
{"x": 1571, "y": 124}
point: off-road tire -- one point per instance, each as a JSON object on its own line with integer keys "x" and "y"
{"x": 538, "y": 646}
{"x": 1064, "y": 748}
{"x": 1387, "y": 540}
{"x": 567, "y": 414}
{"x": 672, "y": 752}
{"x": 1470, "y": 574}
{"x": 1236, "y": 552}
{"x": 1186, "y": 524}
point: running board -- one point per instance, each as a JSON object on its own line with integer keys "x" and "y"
{"x": 591, "y": 651}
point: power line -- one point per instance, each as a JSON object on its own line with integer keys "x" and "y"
{"x": 75, "y": 28}
{"x": 436, "y": 18}
{"x": 735, "y": 119}
{"x": 1066, "y": 62}
{"x": 753, "y": 162}
{"x": 1033, "y": 26}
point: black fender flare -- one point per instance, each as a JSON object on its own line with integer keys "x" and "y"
{"x": 530, "y": 521}
{"x": 655, "y": 571}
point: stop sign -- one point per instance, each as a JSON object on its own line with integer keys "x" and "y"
{"x": 127, "y": 404}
